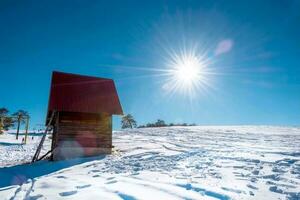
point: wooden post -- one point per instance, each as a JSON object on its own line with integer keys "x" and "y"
{"x": 26, "y": 129}
{"x": 18, "y": 128}
{"x": 54, "y": 137}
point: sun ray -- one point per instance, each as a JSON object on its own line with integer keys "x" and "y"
{"x": 187, "y": 71}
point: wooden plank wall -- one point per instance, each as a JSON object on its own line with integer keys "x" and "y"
{"x": 80, "y": 135}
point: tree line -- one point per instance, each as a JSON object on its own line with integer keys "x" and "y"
{"x": 14, "y": 120}
{"x": 128, "y": 121}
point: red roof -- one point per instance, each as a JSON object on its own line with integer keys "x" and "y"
{"x": 77, "y": 93}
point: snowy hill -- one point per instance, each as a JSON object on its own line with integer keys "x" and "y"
{"x": 237, "y": 162}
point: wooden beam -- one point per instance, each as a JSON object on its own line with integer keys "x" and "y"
{"x": 41, "y": 158}
{"x": 48, "y": 128}
{"x": 55, "y": 135}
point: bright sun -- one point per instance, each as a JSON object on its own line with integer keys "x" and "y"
{"x": 188, "y": 70}
{"x": 187, "y": 73}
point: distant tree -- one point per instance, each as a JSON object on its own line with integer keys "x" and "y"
{"x": 3, "y": 112}
{"x": 21, "y": 116}
{"x": 150, "y": 125}
{"x": 160, "y": 123}
{"x": 128, "y": 121}
{"x": 5, "y": 121}
{"x": 8, "y": 122}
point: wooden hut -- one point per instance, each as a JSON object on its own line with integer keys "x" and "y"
{"x": 80, "y": 110}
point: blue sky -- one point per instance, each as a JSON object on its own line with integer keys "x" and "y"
{"x": 253, "y": 47}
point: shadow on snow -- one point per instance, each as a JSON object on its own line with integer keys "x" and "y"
{"x": 17, "y": 175}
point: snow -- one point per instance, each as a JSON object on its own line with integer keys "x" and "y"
{"x": 14, "y": 152}
{"x": 205, "y": 162}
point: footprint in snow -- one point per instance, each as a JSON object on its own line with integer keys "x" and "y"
{"x": 110, "y": 178}
{"x": 96, "y": 176}
{"x": 126, "y": 197}
{"x": 255, "y": 172}
{"x": 83, "y": 186}
{"x": 95, "y": 170}
{"x": 252, "y": 187}
{"x": 35, "y": 197}
{"x": 276, "y": 189}
{"x": 61, "y": 177}
{"x": 253, "y": 180}
{"x": 233, "y": 190}
{"x": 63, "y": 194}
{"x": 111, "y": 182}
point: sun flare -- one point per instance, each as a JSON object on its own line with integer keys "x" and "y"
{"x": 188, "y": 72}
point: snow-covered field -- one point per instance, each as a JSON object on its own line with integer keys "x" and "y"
{"x": 237, "y": 162}
{"x": 14, "y": 152}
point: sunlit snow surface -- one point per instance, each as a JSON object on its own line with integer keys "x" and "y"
{"x": 237, "y": 162}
